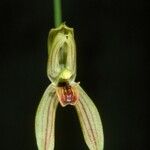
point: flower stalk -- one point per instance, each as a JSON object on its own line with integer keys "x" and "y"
{"x": 57, "y": 13}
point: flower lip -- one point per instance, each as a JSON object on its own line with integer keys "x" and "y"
{"x": 67, "y": 94}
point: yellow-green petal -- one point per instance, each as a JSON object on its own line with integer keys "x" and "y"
{"x": 45, "y": 119}
{"x": 90, "y": 121}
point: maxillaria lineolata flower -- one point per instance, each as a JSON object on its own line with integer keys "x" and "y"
{"x": 61, "y": 71}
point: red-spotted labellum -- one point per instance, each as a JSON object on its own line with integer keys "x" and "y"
{"x": 67, "y": 94}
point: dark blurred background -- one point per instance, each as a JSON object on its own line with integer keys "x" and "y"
{"x": 112, "y": 38}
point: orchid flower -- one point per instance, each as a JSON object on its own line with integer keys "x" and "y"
{"x": 61, "y": 71}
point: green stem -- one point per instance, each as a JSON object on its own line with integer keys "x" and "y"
{"x": 57, "y": 12}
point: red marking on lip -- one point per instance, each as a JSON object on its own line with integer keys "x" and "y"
{"x": 67, "y": 94}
